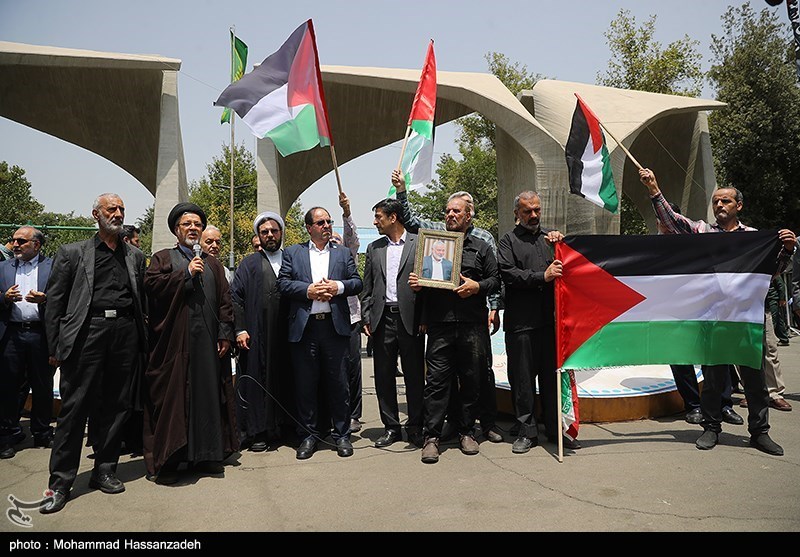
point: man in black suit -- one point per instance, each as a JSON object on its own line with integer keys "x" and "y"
{"x": 317, "y": 277}
{"x": 95, "y": 332}
{"x": 390, "y": 317}
{"x": 23, "y": 344}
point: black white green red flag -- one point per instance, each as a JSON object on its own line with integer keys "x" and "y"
{"x": 282, "y": 98}
{"x": 588, "y": 161}
{"x": 673, "y": 299}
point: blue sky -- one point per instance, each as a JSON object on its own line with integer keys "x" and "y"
{"x": 559, "y": 39}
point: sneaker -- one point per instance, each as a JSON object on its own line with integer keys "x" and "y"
{"x": 708, "y": 440}
{"x": 469, "y": 446}
{"x": 523, "y": 444}
{"x": 765, "y": 444}
{"x": 430, "y": 451}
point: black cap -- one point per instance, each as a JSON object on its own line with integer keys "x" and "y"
{"x": 180, "y": 209}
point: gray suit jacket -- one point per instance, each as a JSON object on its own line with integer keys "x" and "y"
{"x": 70, "y": 289}
{"x": 374, "y": 298}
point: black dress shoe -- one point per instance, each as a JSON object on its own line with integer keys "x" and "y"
{"x": 45, "y": 441}
{"x": 415, "y": 437}
{"x": 57, "y": 502}
{"x": 344, "y": 447}
{"x": 306, "y": 448}
{"x": 729, "y": 416}
{"x": 355, "y": 425}
{"x": 209, "y": 467}
{"x": 764, "y": 443}
{"x": 7, "y": 451}
{"x": 258, "y": 446}
{"x": 107, "y": 483}
{"x": 694, "y": 416}
{"x": 388, "y": 439}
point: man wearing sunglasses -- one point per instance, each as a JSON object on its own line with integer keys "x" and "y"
{"x": 317, "y": 277}
{"x": 23, "y": 343}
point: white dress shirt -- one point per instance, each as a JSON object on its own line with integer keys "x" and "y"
{"x": 320, "y": 262}
{"x": 27, "y": 278}
{"x": 394, "y": 251}
{"x": 438, "y": 272}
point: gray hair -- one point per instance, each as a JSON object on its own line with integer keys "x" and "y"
{"x": 96, "y": 204}
{"x": 212, "y": 227}
{"x": 467, "y": 197}
{"x": 37, "y": 234}
{"x": 527, "y": 194}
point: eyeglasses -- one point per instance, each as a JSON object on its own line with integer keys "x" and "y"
{"x": 191, "y": 224}
{"x": 20, "y": 241}
{"x": 268, "y": 231}
{"x": 323, "y": 222}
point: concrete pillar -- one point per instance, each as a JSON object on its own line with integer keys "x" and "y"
{"x": 268, "y": 196}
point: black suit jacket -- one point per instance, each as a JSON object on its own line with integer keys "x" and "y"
{"x": 8, "y": 276}
{"x": 70, "y": 289}
{"x": 374, "y": 298}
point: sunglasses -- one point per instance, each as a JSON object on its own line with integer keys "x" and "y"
{"x": 20, "y": 241}
{"x": 323, "y": 222}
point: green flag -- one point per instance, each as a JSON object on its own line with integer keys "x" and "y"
{"x": 238, "y": 63}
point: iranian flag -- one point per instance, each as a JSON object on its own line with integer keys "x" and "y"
{"x": 673, "y": 299}
{"x": 238, "y": 65}
{"x": 282, "y": 98}
{"x": 588, "y": 161}
{"x": 417, "y": 160}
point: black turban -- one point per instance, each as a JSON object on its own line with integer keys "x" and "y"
{"x": 180, "y": 209}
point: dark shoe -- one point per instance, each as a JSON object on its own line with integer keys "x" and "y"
{"x": 729, "y": 416}
{"x": 523, "y": 444}
{"x": 514, "y": 431}
{"x": 7, "y": 451}
{"x": 493, "y": 436}
{"x": 306, "y": 448}
{"x": 780, "y": 404}
{"x": 57, "y": 502}
{"x": 355, "y": 425}
{"x": 107, "y": 483}
{"x": 743, "y": 403}
{"x": 468, "y": 445}
{"x": 571, "y": 443}
{"x": 344, "y": 447}
{"x": 449, "y": 432}
{"x": 258, "y": 446}
{"x": 783, "y": 343}
{"x": 18, "y": 438}
{"x": 388, "y": 438}
{"x": 209, "y": 467}
{"x": 430, "y": 450}
{"x": 765, "y": 444}
{"x": 415, "y": 437}
{"x": 165, "y": 476}
{"x": 707, "y": 441}
{"x": 694, "y": 416}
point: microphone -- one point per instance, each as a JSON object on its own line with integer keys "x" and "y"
{"x": 197, "y": 253}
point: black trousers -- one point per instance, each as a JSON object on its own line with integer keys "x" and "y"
{"x": 96, "y": 382}
{"x": 487, "y": 398}
{"x": 715, "y": 379}
{"x": 23, "y": 361}
{"x": 390, "y": 340}
{"x": 686, "y": 383}
{"x": 319, "y": 362}
{"x": 354, "y": 372}
{"x": 531, "y": 355}
{"x": 454, "y": 349}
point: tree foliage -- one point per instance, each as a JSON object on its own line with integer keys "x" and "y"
{"x": 145, "y": 224}
{"x": 17, "y": 204}
{"x": 295, "y": 232}
{"x": 476, "y": 169}
{"x": 639, "y": 62}
{"x": 757, "y": 137}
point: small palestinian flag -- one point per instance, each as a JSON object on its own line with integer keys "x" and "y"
{"x": 570, "y": 418}
{"x": 282, "y": 98}
{"x": 588, "y": 161}
{"x": 673, "y": 299}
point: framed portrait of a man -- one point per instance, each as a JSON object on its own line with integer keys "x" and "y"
{"x": 437, "y": 262}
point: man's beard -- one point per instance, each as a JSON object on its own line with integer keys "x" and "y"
{"x": 528, "y": 226}
{"x": 271, "y": 246}
{"x": 189, "y": 242}
{"x": 106, "y": 225}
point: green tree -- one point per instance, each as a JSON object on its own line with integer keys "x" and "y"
{"x": 295, "y": 232}
{"x": 145, "y": 224}
{"x": 476, "y": 169}
{"x": 212, "y": 193}
{"x": 756, "y": 138}
{"x": 639, "y": 62}
{"x": 17, "y": 204}
{"x": 54, "y": 237}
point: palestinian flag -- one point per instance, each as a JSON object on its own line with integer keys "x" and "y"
{"x": 569, "y": 405}
{"x": 588, "y": 161}
{"x": 418, "y": 156}
{"x": 282, "y": 98}
{"x": 238, "y": 64}
{"x": 672, "y": 299}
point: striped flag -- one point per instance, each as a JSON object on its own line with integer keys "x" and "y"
{"x": 238, "y": 65}
{"x": 417, "y": 160}
{"x": 674, "y": 299}
{"x": 588, "y": 161}
{"x": 282, "y": 98}
{"x": 570, "y": 419}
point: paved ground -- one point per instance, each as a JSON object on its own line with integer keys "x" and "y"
{"x": 641, "y": 476}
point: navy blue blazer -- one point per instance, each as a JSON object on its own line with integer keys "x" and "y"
{"x": 8, "y": 278}
{"x": 295, "y": 278}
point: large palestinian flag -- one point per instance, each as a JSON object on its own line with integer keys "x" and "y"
{"x": 673, "y": 299}
{"x": 282, "y": 98}
{"x": 588, "y": 161}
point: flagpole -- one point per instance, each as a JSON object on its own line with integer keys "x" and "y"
{"x": 403, "y": 149}
{"x": 233, "y": 119}
{"x": 618, "y": 142}
{"x": 559, "y": 372}
{"x": 336, "y": 169}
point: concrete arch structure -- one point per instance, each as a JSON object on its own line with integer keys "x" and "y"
{"x": 123, "y": 107}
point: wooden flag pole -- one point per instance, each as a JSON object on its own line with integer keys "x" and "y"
{"x": 559, "y": 371}
{"x": 618, "y": 142}
{"x": 336, "y": 169}
{"x": 403, "y": 149}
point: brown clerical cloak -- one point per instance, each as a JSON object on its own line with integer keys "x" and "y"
{"x": 191, "y": 405}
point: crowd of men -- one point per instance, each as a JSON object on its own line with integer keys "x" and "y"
{"x": 145, "y": 350}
